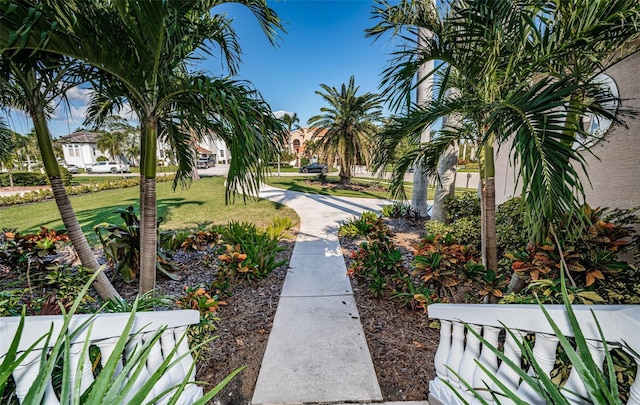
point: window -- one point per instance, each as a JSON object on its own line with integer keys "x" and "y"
{"x": 74, "y": 150}
{"x": 595, "y": 125}
{"x": 161, "y": 153}
{"x": 221, "y": 153}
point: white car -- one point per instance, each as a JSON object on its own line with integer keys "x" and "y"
{"x": 107, "y": 167}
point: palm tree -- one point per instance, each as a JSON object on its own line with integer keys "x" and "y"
{"x": 291, "y": 122}
{"x": 112, "y": 143}
{"x": 143, "y": 47}
{"x": 508, "y": 62}
{"x": 30, "y": 82}
{"x": 345, "y": 127}
{"x": 7, "y": 146}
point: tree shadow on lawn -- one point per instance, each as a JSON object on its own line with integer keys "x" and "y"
{"x": 89, "y": 218}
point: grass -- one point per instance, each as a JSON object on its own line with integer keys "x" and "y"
{"x": 297, "y": 183}
{"x": 200, "y": 204}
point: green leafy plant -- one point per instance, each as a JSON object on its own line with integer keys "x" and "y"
{"x": 235, "y": 266}
{"x": 259, "y": 247}
{"x": 199, "y": 298}
{"x": 360, "y": 226}
{"x": 440, "y": 261}
{"x": 121, "y": 245}
{"x": 111, "y": 385}
{"x": 601, "y": 385}
{"x": 278, "y": 226}
{"x": 149, "y": 301}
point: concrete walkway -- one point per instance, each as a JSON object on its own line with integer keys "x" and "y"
{"x": 317, "y": 351}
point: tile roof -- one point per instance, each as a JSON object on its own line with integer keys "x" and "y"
{"x": 80, "y": 137}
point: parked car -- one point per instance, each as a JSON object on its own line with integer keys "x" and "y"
{"x": 107, "y": 167}
{"x": 205, "y": 163}
{"x": 73, "y": 169}
{"x": 315, "y": 168}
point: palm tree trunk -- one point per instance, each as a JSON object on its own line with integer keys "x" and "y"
{"x": 148, "y": 212}
{"x": 103, "y": 286}
{"x": 423, "y": 97}
{"x": 445, "y": 187}
{"x": 488, "y": 196}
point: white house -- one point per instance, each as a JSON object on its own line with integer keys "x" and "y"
{"x": 80, "y": 148}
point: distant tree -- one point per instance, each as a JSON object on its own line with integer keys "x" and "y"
{"x": 111, "y": 143}
{"x": 345, "y": 127}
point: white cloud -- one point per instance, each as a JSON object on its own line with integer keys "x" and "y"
{"x": 281, "y": 113}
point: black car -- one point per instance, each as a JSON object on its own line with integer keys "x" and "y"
{"x": 315, "y": 168}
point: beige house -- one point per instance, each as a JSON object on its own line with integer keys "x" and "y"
{"x": 298, "y": 141}
{"x": 614, "y": 172}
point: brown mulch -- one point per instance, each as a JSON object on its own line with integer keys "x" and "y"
{"x": 401, "y": 343}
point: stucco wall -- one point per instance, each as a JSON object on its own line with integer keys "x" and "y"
{"x": 615, "y": 177}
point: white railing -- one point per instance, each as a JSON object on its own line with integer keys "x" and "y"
{"x": 459, "y": 351}
{"x": 104, "y": 333}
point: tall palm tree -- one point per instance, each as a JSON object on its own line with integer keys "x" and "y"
{"x": 291, "y": 122}
{"x": 143, "y": 47}
{"x": 7, "y": 145}
{"x": 112, "y": 143}
{"x": 345, "y": 127}
{"x": 508, "y": 61}
{"x": 31, "y": 82}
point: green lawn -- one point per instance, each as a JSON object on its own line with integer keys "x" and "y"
{"x": 297, "y": 183}
{"x": 202, "y": 203}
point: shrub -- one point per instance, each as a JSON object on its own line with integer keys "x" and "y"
{"x": 278, "y": 226}
{"x": 360, "y": 226}
{"x": 592, "y": 258}
{"x": 46, "y": 194}
{"x": 250, "y": 254}
{"x": 121, "y": 245}
{"x": 462, "y": 205}
{"x": 25, "y": 179}
{"x": 66, "y": 176}
{"x": 198, "y": 298}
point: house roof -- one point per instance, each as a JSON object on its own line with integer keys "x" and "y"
{"x": 80, "y": 137}
{"x": 200, "y": 149}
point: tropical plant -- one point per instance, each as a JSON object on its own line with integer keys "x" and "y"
{"x": 122, "y": 247}
{"x": 199, "y": 298}
{"x": 110, "y": 384}
{"x": 360, "y": 225}
{"x": 256, "y": 246}
{"x": 601, "y": 385}
{"x": 524, "y": 75}
{"x": 112, "y": 143}
{"x": 143, "y": 52}
{"x": 31, "y": 82}
{"x": 344, "y": 128}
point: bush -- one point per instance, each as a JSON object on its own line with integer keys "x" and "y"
{"x": 46, "y": 194}
{"x": 23, "y": 179}
{"x": 250, "y": 254}
{"x": 121, "y": 245}
{"x": 66, "y": 176}
{"x": 462, "y": 206}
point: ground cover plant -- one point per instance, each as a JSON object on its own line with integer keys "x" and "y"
{"x": 38, "y": 275}
{"x": 432, "y": 266}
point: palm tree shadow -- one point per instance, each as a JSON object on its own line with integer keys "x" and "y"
{"x": 89, "y": 218}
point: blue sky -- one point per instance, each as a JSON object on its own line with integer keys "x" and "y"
{"x": 325, "y": 43}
